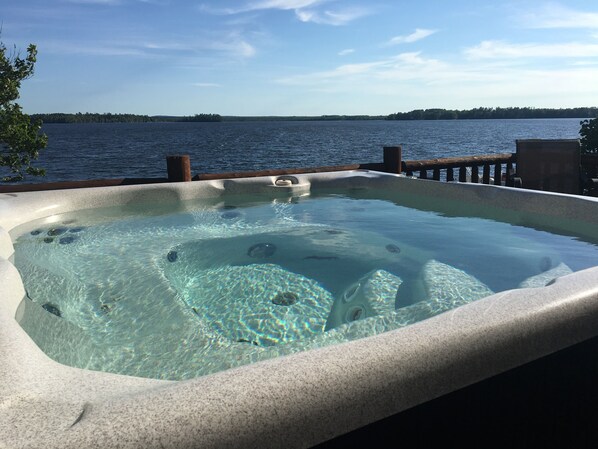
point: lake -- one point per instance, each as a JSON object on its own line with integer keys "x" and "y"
{"x": 116, "y": 150}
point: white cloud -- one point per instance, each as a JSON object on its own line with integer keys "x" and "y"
{"x": 282, "y": 4}
{"x": 305, "y": 10}
{"x": 233, "y": 45}
{"x": 506, "y": 50}
{"x": 166, "y": 46}
{"x": 418, "y": 34}
{"x": 207, "y": 85}
{"x": 585, "y": 63}
{"x": 355, "y": 69}
{"x": 411, "y": 81}
{"x": 346, "y": 51}
{"x": 229, "y": 45}
{"x": 427, "y": 82}
{"x": 244, "y": 49}
{"x": 556, "y": 16}
{"x": 403, "y": 66}
{"x": 341, "y": 17}
{"x": 95, "y": 49}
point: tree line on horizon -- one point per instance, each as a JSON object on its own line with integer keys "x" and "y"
{"x": 89, "y": 117}
{"x": 416, "y": 114}
{"x": 495, "y": 113}
{"x": 299, "y": 118}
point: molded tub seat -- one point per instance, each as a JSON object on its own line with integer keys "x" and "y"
{"x": 305, "y": 398}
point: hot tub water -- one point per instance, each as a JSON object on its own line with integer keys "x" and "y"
{"x": 204, "y": 286}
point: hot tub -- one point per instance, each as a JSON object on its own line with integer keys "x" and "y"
{"x": 298, "y": 399}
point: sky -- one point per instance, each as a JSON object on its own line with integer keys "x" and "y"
{"x": 303, "y": 57}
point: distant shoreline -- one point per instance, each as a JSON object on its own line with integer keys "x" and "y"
{"x": 418, "y": 114}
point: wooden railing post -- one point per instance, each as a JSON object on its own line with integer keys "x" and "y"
{"x": 392, "y": 159}
{"x": 498, "y": 174}
{"x": 510, "y": 182}
{"x": 179, "y": 168}
{"x": 486, "y": 174}
{"x": 450, "y": 176}
{"x": 475, "y": 176}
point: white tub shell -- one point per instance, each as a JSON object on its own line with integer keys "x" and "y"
{"x": 301, "y": 399}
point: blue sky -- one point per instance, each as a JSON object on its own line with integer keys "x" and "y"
{"x": 304, "y": 57}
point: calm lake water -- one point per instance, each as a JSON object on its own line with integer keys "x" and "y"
{"x": 93, "y": 151}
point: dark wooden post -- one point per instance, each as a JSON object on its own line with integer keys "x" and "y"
{"x": 475, "y": 176}
{"x": 450, "y": 176}
{"x": 497, "y": 174}
{"x": 486, "y": 174}
{"x": 392, "y": 159}
{"x": 179, "y": 168}
{"x": 509, "y": 181}
{"x": 436, "y": 174}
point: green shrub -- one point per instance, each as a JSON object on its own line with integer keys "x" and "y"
{"x": 589, "y": 136}
{"x": 20, "y": 137}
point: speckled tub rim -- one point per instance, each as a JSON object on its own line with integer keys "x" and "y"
{"x": 297, "y": 400}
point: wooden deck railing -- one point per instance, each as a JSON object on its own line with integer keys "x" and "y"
{"x": 468, "y": 168}
{"x": 486, "y": 169}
